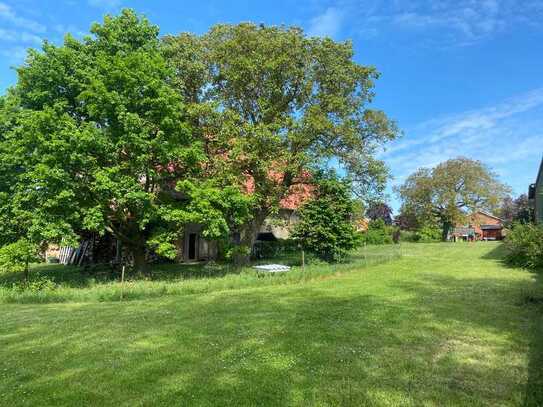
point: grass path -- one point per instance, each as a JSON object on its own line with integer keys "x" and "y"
{"x": 447, "y": 325}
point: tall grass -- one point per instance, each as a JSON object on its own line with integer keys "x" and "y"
{"x": 52, "y": 284}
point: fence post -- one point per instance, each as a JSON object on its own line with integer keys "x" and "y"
{"x": 303, "y": 259}
{"x": 122, "y": 282}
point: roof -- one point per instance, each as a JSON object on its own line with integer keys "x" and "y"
{"x": 489, "y": 215}
{"x": 491, "y": 227}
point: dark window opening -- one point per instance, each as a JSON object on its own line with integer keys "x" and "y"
{"x": 266, "y": 237}
{"x": 192, "y": 246}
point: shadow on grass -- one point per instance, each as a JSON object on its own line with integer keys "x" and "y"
{"x": 421, "y": 343}
{"x": 534, "y": 393}
{"x": 532, "y": 300}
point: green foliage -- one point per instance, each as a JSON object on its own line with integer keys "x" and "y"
{"x": 429, "y": 233}
{"x": 449, "y": 191}
{"x": 524, "y": 245}
{"x": 325, "y": 226}
{"x": 409, "y": 236}
{"x": 280, "y": 103}
{"x": 15, "y": 257}
{"x": 96, "y": 138}
{"x": 378, "y": 233}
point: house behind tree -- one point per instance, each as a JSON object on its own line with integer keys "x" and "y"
{"x": 479, "y": 226}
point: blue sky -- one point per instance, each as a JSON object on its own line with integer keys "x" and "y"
{"x": 461, "y": 77}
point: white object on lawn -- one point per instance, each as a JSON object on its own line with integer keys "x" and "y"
{"x": 272, "y": 268}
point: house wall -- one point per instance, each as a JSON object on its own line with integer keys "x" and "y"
{"x": 539, "y": 197}
{"x": 492, "y": 234}
{"x": 205, "y": 249}
{"x": 281, "y": 225}
{"x": 480, "y": 218}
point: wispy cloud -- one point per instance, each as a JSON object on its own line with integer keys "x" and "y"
{"x": 505, "y": 136}
{"x": 327, "y": 24}
{"x": 8, "y": 14}
{"x": 471, "y": 122}
{"x": 19, "y": 37}
{"x": 446, "y": 22}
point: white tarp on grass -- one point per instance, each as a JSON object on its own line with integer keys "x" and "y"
{"x": 272, "y": 268}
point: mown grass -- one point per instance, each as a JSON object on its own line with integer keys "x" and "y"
{"x": 57, "y": 283}
{"x": 445, "y": 325}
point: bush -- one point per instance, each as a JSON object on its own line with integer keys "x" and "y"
{"x": 325, "y": 226}
{"x": 425, "y": 234}
{"x": 15, "y": 257}
{"x": 409, "y": 236}
{"x": 524, "y": 246}
{"x": 429, "y": 234}
{"x": 378, "y": 233}
{"x": 271, "y": 249}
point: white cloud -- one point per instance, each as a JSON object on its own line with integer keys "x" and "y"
{"x": 327, "y": 24}
{"x": 507, "y": 136}
{"x": 446, "y": 22}
{"x": 19, "y": 37}
{"x": 471, "y": 122}
{"x": 9, "y": 15}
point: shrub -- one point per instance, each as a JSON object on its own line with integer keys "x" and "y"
{"x": 429, "y": 233}
{"x": 524, "y": 246}
{"x": 409, "y": 236}
{"x": 15, "y": 257}
{"x": 325, "y": 226}
{"x": 36, "y": 284}
{"x": 378, "y": 233}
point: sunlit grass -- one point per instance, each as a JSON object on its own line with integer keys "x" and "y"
{"x": 76, "y": 284}
{"x": 445, "y": 325}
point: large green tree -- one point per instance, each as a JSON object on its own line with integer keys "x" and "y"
{"x": 450, "y": 191}
{"x": 275, "y": 103}
{"x": 95, "y": 137}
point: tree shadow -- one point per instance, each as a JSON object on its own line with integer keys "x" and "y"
{"x": 534, "y": 392}
{"x": 314, "y": 346}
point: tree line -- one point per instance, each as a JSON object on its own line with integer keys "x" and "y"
{"x": 137, "y": 135}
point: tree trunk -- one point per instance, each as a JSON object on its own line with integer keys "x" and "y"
{"x": 138, "y": 254}
{"x": 446, "y": 228}
{"x": 248, "y": 238}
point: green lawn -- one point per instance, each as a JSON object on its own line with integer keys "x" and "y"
{"x": 445, "y": 325}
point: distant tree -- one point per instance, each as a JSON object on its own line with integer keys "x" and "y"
{"x": 450, "y": 191}
{"x": 515, "y": 210}
{"x": 326, "y": 228}
{"x": 380, "y": 210}
{"x": 276, "y": 104}
{"x": 406, "y": 219}
{"x": 523, "y": 210}
{"x": 507, "y": 211}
